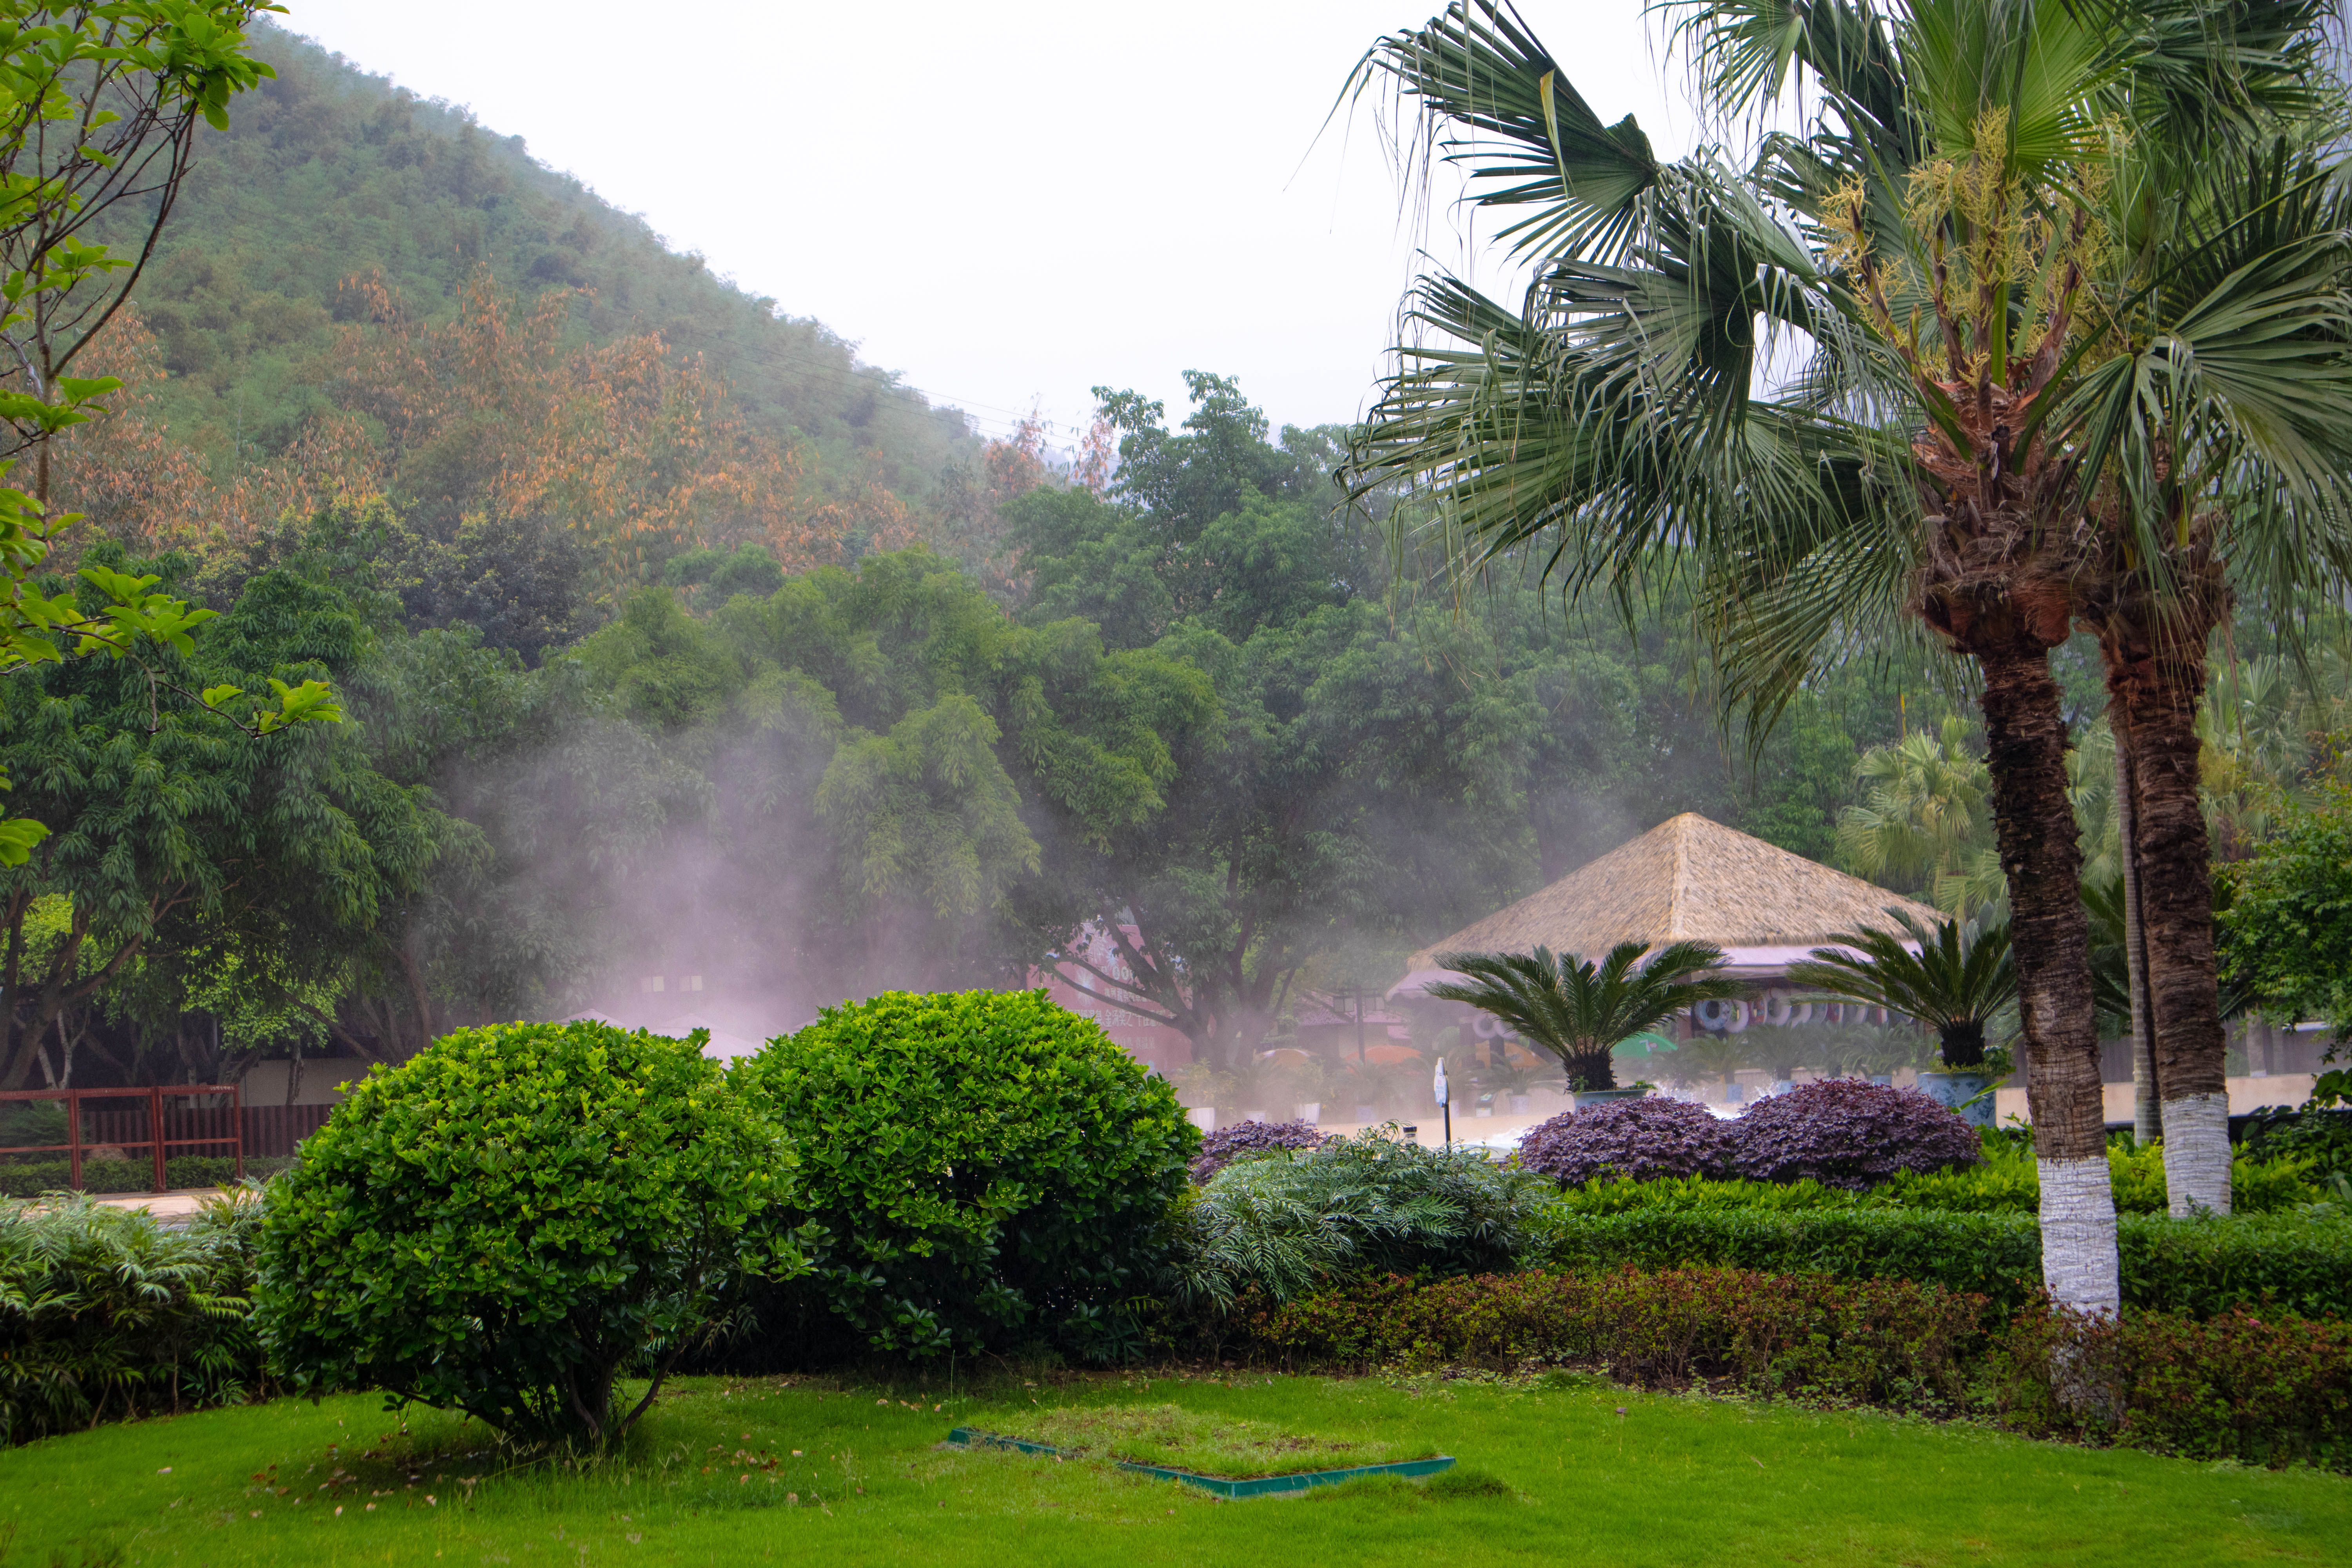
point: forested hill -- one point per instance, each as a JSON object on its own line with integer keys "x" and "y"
{"x": 328, "y": 173}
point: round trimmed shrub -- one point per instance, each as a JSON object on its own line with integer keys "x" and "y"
{"x": 990, "y": 1171}
{"x": 1636, "y": 1139}
{"x": 1845, "y": 1132}
{"x": 507, "y": 1222}
{"x": 1227, "y": 1144}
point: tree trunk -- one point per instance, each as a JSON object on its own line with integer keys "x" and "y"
{"x": 2026, "y": 730}
{"x": 1962, "y": 1044}
{"x": 2148, "y": 1121}
{"x": 2155, "y": 653}
{"x": 1593, "y": 1071}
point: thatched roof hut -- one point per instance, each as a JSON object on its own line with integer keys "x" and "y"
{"x": 1686, "y": 880}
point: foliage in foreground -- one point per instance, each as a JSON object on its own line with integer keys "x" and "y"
{"x": 106, "y": 1314}
{"x": 2267, "y": 1389}
{"x": 510, "y": 1221}
{"x": 991, "y": 1169}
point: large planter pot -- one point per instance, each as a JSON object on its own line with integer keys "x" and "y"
{"x": 1587, "y": 1097}
{"x": 1310, "y": 1111}
{"x": 1954, "y": 1091}
{"x": 1203, "y": 1117}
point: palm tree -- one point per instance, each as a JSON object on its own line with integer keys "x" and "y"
{"x": 1580, "y": 1011}
{"x": 1955, "y": 984}
{"x": 1934, "y": 269}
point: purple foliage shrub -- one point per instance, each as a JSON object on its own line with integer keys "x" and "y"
{"x": 1638, "y": 1139}
{"x": 1227, "y": 1144}
{"x": 1845, "y": 1132}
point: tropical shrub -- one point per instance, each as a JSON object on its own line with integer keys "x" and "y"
{"x": 992, "y": 1171}
{"x": 107, "y": 1314}
{"x": 2295, "y": 1262}
{"x": 510, "y": 1220}
{"x": 1635, "y": 1139}
{"x": 1847, "y": 1133}
{"x": 1227, "y": 1144}
{"x": 1282, "y": 1223}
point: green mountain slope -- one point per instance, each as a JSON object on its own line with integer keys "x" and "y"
{"x": 329, "y": 173}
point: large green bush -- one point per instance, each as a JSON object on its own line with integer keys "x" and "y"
{"x": 510, "y": 1220}
{"x": 106, "y": 1313}
{"x": 991, "y": 1169}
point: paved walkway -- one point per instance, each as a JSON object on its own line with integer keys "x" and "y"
{"x": 179, "y": 1203}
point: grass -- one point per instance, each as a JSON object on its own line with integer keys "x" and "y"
{"x": 1207, "y": 1444}
{"x": 735, "y": 1472}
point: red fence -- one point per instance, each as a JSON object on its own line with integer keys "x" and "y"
{"x": 110, "y": 1124}
{"x": 277, "y": 1128}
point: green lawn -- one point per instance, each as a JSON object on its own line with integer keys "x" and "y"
{"x": 715, "y": 1479}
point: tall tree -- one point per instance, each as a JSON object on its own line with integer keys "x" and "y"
{"x": 1941, "y": 313}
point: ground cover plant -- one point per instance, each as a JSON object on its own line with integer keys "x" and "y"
{"x": 713, "y": 1475}
{"x": 509, "y": 1221}
{"x": 1171, "y": 1435}
{"x": 989, "y": 1171}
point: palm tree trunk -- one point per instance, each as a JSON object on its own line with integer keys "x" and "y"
{"x": 2148, "y": 1121}
{"x": 2160, "y": 683}
{"x": 2026, "y": 732}
{"x": 2153, "y": 643}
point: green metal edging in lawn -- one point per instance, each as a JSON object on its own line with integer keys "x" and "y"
{"x": 1259, "y": 1485}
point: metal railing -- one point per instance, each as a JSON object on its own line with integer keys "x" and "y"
{"x": 119, "y": 1129}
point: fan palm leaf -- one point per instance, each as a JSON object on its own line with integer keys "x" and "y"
{"x": 1579, "y": 1010}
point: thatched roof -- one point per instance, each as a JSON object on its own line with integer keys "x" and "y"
{"x": 1686, "y": 879}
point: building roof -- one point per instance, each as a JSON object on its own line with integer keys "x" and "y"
{"x": 1686, "y": 880}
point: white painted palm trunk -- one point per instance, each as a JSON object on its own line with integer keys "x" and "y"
{"x": 2078, "y": 1235}
{"x": 2197, "y": 1153}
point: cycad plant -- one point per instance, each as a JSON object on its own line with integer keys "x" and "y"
{"x": 1579, "y": 1011}
{"x": 1957, "y": 982}
{"x": 2028, "y": 293}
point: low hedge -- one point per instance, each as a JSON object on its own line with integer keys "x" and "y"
{"x": 2007, "y": 1181}
{"x": 2297, "y": 1263}
{"x": 105, "y": 1177}
{"x": 2259, "y": 1388}
{"x": 1887, "y": 1342}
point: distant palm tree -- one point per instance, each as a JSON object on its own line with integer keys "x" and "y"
{"x": 1579, "y": 1011}
{"x": 1955, "y": 984}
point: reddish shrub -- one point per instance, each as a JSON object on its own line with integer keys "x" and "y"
{"x": 1227, "y": 1144}
{"x": 1877, "y": 1341}
{"x": 1845, "y": 1132}
{"x": 1637, "y": 1139}
{"x": 2262, "y": 1387}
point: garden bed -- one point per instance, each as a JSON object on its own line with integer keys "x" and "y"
{"x": 1227, "y": 1458}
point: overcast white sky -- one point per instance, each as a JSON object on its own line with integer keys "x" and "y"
{"x": 1006, "y": 204}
